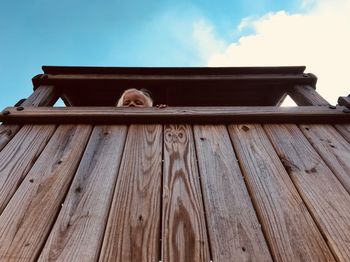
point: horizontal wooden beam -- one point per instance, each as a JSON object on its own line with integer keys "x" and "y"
{"x": 115, "y": 115}
{"x": 173, "y": 70}
{"x": 290, "y": 79}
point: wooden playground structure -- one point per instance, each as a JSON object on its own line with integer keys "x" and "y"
{"x": 222, "y": 174}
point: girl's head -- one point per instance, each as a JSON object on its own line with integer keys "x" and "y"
{"x": 135, "y": 98}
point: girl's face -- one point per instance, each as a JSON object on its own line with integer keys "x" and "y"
{"x": 134, "y": 99}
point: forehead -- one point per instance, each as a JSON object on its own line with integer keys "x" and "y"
{"x": 133, "y": 95}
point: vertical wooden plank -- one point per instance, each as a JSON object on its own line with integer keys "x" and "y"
{"x": 18, "y": 156}
{"x": 42, "y": 96}
{"x": 234, "y": 230}
{"x": 6, "y": 133}
{"x": 78, "y": 232}
{"x": 323, "y": 194}
{"x": 290, "y": 231}
{"x": 329, "y": 144}
{"x": 184, "y": 236}
{"x": 344, "y": 130}
{"x": 333, "y": 148}
{"x": 133, "y": 228}
{"x": 28, "y": 217}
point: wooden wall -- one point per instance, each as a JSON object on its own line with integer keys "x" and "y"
{"x": 181, "y": 184}
{"x": 230, "y": 192}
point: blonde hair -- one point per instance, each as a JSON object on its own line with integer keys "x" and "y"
{"x": 144, "y": 92}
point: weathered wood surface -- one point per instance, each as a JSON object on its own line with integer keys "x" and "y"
{"x": 234, "y": 230}
{"x": 325, "y": 197}
{"x": 28, "y": 217}
{"x": 42, "y": 96}
{"x": 184, "y": 235}
{"x": 7, "y": 131}
{"x": 113, "y": 115}
{"x": 133, "y": 228}
{"x": 78, "y": 231}
{"x": 18, "y": 156}
{"x": 305, "y": 95}
{"x": 333, "y": 149}
{"x": 344, "y": 130}
{"x": 291, "y": 233}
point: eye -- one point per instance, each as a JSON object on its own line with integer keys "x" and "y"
{"x": 126, "y": 102}
{"x": 138, "y": 102}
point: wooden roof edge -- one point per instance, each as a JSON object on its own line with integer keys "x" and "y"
{"x": 282, "y": 79}
{"x": 173, "y": 70}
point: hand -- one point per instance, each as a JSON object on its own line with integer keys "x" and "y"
{"x": 161, "y": 106}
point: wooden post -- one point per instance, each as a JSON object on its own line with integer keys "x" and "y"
{"x": 305, "y": 95}
{"x": 344, "y": 129}
{"x": 344, "y": 101}
{"x": 42, "y": 96}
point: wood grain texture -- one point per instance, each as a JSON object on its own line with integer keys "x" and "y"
{"x": 333, "y": 149}
{"x": 133, "y": 228}
{"x": 18, "y": 157}
{"x": 28, "y": 217}
{"x": 184, "y": 235}
{"x": 6, "y": 133}
{"x": 291, "y": 233}
{"x": 327, "y": 200}
{"x": 309, "y": 97}
{"x": 306, "y": 95}
{"x": 228, "y": 114}
{"x": 344, "y": 130}
{"x": 42, "y": 96}
{"x": 78, "y": 231}
{"x": 234, "y": 230}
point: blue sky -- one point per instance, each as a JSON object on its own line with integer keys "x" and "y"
{"x": 140, "y": 33}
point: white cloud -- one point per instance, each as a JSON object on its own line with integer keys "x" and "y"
{"x": 205, "y": 39}
{"x": 319, "y": 39}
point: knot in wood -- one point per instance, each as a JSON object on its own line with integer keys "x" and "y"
{"x": 245, "y": 128}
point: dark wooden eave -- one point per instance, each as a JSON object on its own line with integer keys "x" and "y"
{"x": 221, "y": 86}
